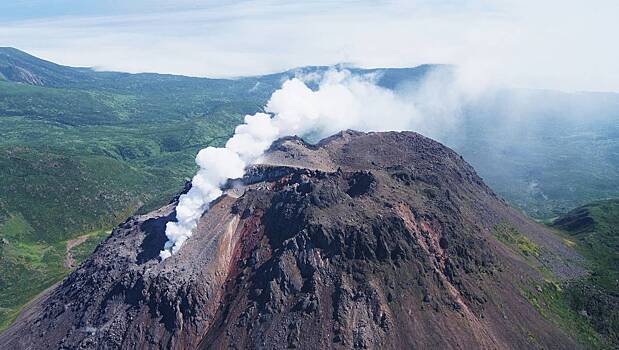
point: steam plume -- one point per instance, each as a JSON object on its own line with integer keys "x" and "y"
{"x": 342, "y": 101}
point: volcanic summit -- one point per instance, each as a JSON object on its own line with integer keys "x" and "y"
{"x": 363, "y": 240}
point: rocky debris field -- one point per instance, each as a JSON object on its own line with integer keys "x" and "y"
{"x": 364, "y": 240}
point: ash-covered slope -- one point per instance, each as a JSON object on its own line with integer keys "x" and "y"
{"x": 363, "y": 240}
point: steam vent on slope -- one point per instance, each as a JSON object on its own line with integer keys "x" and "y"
{"x": 364, "y": 240}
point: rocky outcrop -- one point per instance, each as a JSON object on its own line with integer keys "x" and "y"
{"x": 379, "y": 240}
{"x": 18, "y": 74}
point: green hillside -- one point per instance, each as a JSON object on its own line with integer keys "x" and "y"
{"x": 594, "y": 229}
{"x": 585, "y": 306}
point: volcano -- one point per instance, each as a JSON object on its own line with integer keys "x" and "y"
{"x": 363, "y": 240}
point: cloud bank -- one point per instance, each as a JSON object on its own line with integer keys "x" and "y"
{"x": 565, "y": 45}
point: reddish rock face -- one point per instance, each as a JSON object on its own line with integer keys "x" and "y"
{"x": 379, "y": 240}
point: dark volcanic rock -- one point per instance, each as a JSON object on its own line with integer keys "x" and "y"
{"x": 379, "y": 240}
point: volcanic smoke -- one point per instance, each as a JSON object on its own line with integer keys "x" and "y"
{"x": 341, "y": 101}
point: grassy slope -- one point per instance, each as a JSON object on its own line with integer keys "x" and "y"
{"x": 589, "y": 307}
{"x": 548, "y": 296}
{"x": 595, "y": 229}
{"x": 83, "y": 251}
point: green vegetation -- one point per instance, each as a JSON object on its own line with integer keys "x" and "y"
{"x": 595, "y": 229}
{"x": 585, "y": 308}
{"x": 552, "y": 301}
{"x": 519, "y": 242}
{"x": 83, "y": 251}
{"x": 26, "y": 267}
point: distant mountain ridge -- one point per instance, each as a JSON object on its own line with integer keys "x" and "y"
{"x": 21, "y": 67}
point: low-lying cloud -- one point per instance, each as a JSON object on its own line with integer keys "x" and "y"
{"x": 554, "y": 44}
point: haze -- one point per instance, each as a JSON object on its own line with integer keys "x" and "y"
{"x": 563, "y": 45}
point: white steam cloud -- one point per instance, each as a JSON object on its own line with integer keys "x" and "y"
{"x": 341, "y": 101}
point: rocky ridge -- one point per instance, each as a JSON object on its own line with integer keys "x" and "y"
{"x": 364, "y": 240}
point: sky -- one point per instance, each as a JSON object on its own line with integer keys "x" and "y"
{"x": 565, "y": 45}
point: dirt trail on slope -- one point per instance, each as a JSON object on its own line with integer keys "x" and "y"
{"x": 69, "y": 261}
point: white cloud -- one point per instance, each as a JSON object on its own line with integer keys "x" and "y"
{"x": 564, "y": 45}
{"x": 342, "y": 101}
